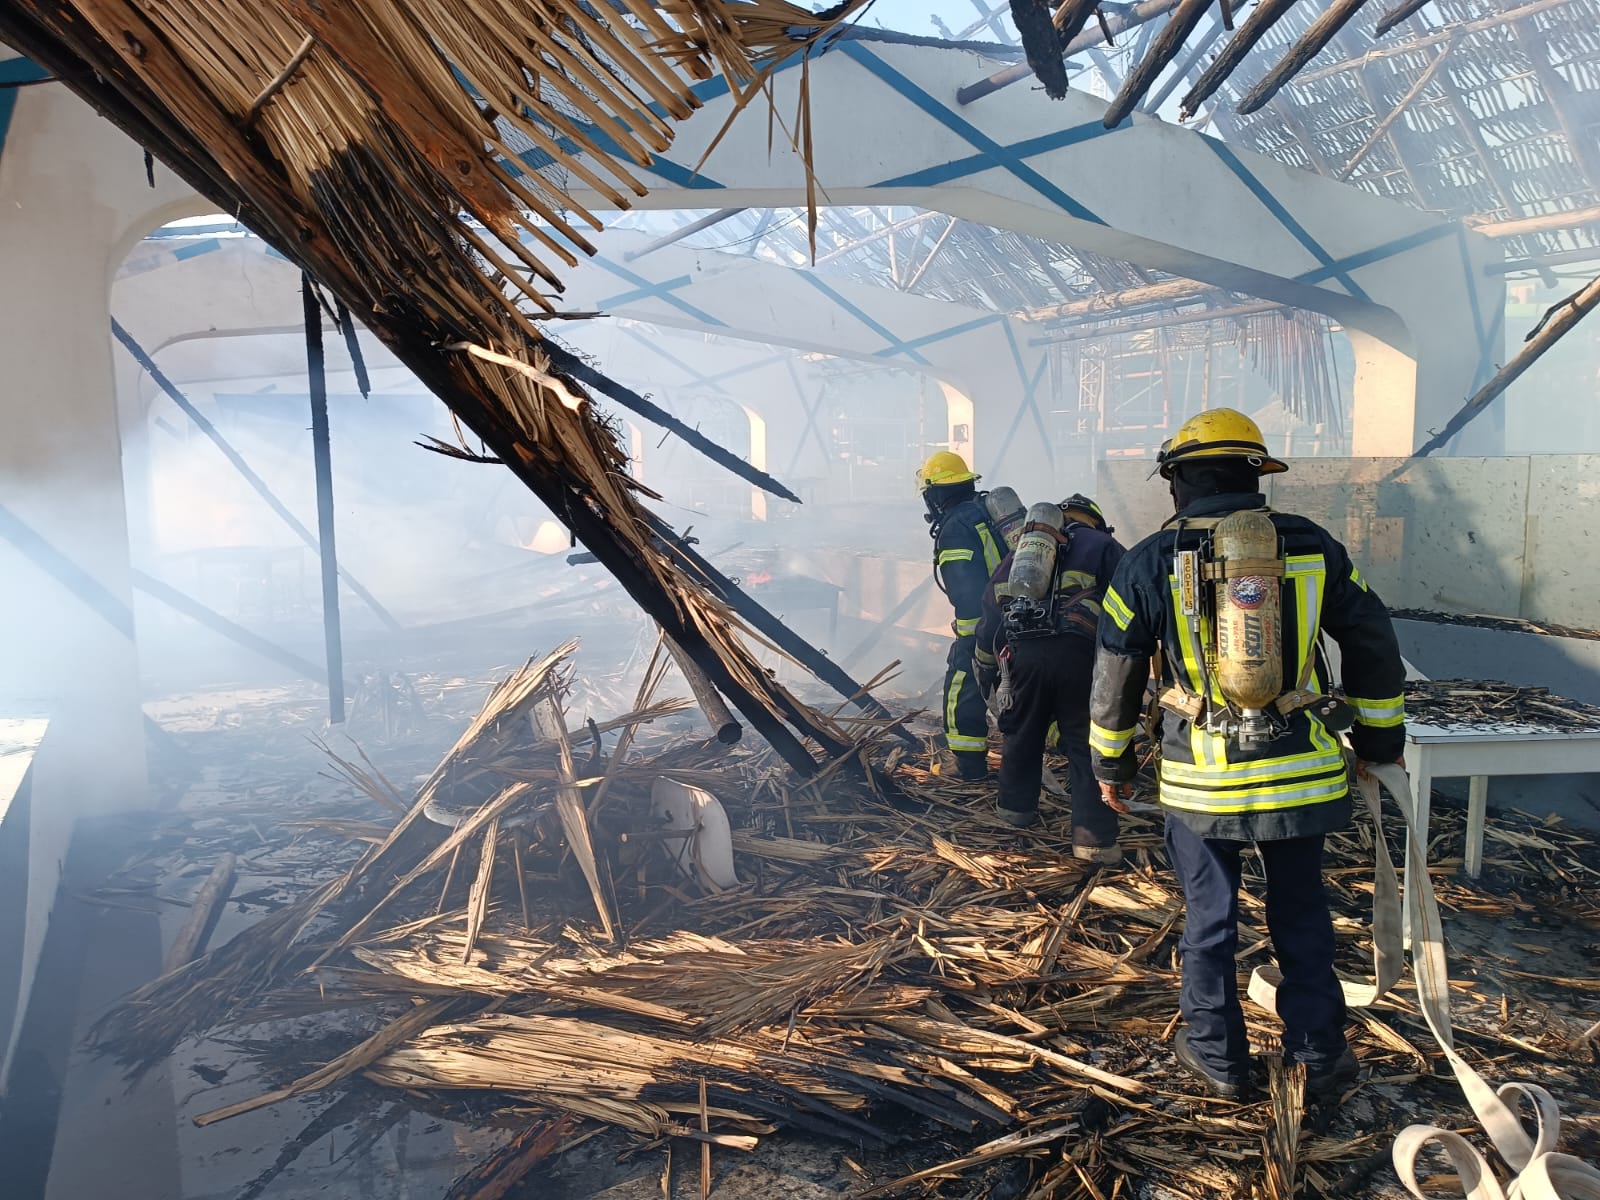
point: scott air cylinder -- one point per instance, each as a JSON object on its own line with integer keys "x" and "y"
{"x": 1006, "y": 511}
{"x": 1248, "y": 606}
{"x": 1033, "y": 566}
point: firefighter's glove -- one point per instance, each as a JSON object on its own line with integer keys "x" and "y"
{"x": 988, "y": 678}
{"x": 1117, "y": 796}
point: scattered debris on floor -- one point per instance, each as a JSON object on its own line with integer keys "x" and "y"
{"x": 1484, "y": 621}
{"x": 1486, "y": 703}
{"x": 895, "y": 966}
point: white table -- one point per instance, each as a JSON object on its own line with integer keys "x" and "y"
{"x": 1479, "y": 751}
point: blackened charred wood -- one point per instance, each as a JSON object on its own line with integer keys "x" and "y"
{"x": 1042, "y": 43}
{"x": 1397, "y": 14}
{"x": 1143, "y": 76}
{"x": 220, "y": 165}
{"x": 770, "y": 627}
{"x": 1301, "y": 53}
{"x": 1557, "y": 321}
{"x": 727, "y": 730}
{"x": 568, "y": 364}
{"x": 1264, "y": 16}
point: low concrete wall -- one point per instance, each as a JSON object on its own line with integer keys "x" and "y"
{"x": 1512, "y": 537}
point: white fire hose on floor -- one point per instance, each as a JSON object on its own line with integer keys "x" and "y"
{"x": 1541, "y": 1172}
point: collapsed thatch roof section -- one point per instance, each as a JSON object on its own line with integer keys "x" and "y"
{"x": 368, "y": 141}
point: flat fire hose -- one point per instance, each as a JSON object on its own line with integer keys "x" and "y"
{"x": 1541, "y": 1172}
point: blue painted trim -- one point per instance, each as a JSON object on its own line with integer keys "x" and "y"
{"x": 1030, "y": 403}
{"x": 654, "y": 291}
{"x": 1285, "y": 218}
{"x": 811, "y": 408}
{"x": 15, "y": 70}
{"x": 999, "y": 156}
{"x": 928, "y": 339}
{"x": 1377, "y": 254}
{"x": 961, "y": 168}
{"x": 895, "y": 346}
{"x": 196, "y": 249}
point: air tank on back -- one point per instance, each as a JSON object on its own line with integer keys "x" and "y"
{"x": 1033, "y": 566}
{"x": 1006, "y": 511}
{"x": 1249, "y": 618}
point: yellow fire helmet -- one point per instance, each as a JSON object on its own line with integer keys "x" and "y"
{"x": 944, "y": 466}
{"x": 1218, "y": 433}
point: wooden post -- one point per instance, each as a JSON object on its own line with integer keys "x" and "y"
{"x": 203, "y": 910}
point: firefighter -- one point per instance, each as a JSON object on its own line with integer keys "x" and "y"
{"x": 966, "y": 550}
{"x": 1036, "y": 659}
{"x": 1272, "y": 773}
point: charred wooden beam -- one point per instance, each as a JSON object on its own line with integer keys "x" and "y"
{"x": 1166, "y": 48}
{"x": 203, "y": 912}
{"x": 1557, "y": 321}
{"x": 571, "y": 365}
{"x": 1570, "y": 218}
{"x": 1439, "y": 36}
{"x": 1072, "y": 16}
{"x": 1265, "y": 15}
{"x": 126, "y": 80}
{"x": 723, "y": 727}
{"x": 1140, "y": 14}
{"x": 1181, "y": 72}
{"x": 1397, "y": 14}
{"x": 1042, "y": 43}
{"x": 1301, "y": 53}
{"x": 322, "y": 459}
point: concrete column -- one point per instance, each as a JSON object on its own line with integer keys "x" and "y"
{"x": 74, "y": 195}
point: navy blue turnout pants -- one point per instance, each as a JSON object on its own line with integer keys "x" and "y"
{"x": 1050, "y": 679}
{"x": 1309, "y": 1000}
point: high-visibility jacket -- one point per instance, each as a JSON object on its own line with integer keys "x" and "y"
{"x": 1296, "y": 785}
{"x": 966, "y": 551}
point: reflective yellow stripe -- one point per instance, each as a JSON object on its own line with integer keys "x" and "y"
{"x": 1355, "y": 578}
{"x": 1078, "y": 579}
{"x": 985, "y": 657}
{"x": 1186, "y": 643}
{"x": 1294, "y": 766}
{"x": 1316, "y": 791}
{"x": 956, "y": 739}
{"x": 967, "y": 628}
{"x": 991, "y": 552}
{"x": 1255, "y": 799}
{"x": 1381, "y": 714}
{"x": 1109, "y": 742}
{"x": 950, "y": 556}
{"x": 1118, "y": 609}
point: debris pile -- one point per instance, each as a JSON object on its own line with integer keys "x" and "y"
{"x": 1488, "y": 703}
{"x": 895, "y": 966}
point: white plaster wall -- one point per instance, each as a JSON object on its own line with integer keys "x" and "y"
{"x": 73, "y": 198}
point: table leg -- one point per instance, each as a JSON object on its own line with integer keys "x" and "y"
{"x": 1477, "y": 817}
{"x": 1417, "y": 835}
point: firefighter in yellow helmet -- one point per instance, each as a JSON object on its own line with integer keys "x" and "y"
{"x": 967, "y": 547}
{"x": 1232, "y": 599}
